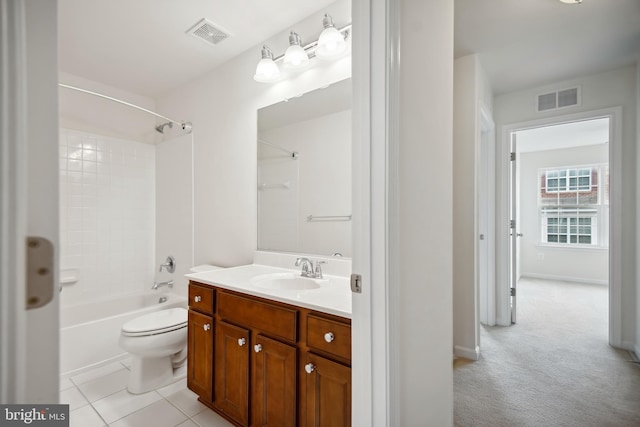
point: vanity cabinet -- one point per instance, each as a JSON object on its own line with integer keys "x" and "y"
{"x": 231, "y": 372}
{"x": 327, "y": 392}
{"x": 200, "y": 341}
{"x": 272, "y": 364}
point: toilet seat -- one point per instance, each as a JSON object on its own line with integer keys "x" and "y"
{"x": 158, "y": 322}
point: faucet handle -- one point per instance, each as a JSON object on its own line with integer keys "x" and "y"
{"x": 169, "y": 264}
{"x": 318, "y": 271}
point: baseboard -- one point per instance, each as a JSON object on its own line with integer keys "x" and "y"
{"x": 564, "y": 279}
{"x": 467, "y": 353}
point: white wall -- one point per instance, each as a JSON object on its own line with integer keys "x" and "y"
{"x": 585, "y": 265}
{"x": 471, "y": 93}
{"x": 222, "y": 106}
{"x": 424, "y": 207}
{"x": 174, "y": 209}
{"x": 107, "y": 216}
{"x": 323, "y": 188}
{"x": 608, "y": 89}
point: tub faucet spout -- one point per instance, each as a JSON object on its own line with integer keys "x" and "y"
{"x": 157, "y": 285}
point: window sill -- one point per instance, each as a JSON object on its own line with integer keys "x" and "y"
{"x": 574, "y": 246}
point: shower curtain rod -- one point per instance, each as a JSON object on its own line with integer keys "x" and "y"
{"x": 121, "y": 102}
{"x": 292, "y": 154}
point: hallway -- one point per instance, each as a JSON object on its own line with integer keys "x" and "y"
{"x": 553, "y": 368}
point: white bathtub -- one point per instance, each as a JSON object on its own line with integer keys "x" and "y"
{"x": 89, "y": 332}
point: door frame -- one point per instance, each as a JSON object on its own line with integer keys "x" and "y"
{"x": 614, "y": 114}
{"x": 374, "y": 67}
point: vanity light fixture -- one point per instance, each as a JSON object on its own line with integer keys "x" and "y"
{"x": 267, "y": 71}
{"x": 571, "y": 1}
{"x": 295, "y": 57}
{"x": 331, "y": 44}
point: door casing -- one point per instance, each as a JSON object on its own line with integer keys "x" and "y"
{"x": 503, "y": 313}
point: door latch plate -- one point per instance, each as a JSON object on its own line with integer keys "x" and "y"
{"x": 356, "y": 283}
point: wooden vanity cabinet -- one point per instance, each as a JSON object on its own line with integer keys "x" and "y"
{"x": 231, "y": 372}
{"x": 327, "y": 392}
{"x": 272, "y": 364}
{"x": 200, "y": 341}
{"x": 273, "y": 368}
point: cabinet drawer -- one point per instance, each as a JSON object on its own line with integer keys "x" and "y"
{"x": 329, "y": 336}
{"x": 273, "y": 320}
{"x": 201, "y": 298}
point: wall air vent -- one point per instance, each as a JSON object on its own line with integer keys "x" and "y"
{"x": 207, "y": 31}
{"x": 559, "y": 99}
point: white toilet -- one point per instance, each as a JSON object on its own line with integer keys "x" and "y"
{"x": 158, "y": 344}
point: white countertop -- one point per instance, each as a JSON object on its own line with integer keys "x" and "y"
{"x": 332, "y": 297}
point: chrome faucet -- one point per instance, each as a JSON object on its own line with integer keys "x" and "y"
{"x": 157, "y": 285}
{"x": 307, "y": 268}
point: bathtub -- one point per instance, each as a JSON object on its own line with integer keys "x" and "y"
{"x": 89, "y": 332}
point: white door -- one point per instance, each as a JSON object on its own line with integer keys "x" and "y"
{"x": 29, "y": 357}
{"x": 485, "y": 269}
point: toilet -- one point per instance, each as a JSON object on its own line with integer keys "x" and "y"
{"x": 157, "y": 343}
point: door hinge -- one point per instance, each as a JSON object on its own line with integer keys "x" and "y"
{"x": 512, "y": 156}
{"x": 513, "y": 292}
{"x": 512, "y": 223}
{"x": 40, "y": 272}
{"x": 356, "y": 283}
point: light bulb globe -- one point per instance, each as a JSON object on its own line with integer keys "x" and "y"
{"x": 267, "y": 71}
{"x": 295, "y": 57}
{"x": 330, "y": 44}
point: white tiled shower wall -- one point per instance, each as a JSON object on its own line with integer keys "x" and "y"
{"x": 107, "y": 216}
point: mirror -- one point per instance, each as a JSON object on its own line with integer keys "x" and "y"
{"x": 304, "y": 173}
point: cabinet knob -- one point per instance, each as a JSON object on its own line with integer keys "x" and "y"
{"x": 242, "y": 341}
{"x": 309, "y": 367}
{"x": 257, "y": 348}
{"x": 328, "y": 337}
{"x": 197, "y": 298}
{"x": 207, "y": 326}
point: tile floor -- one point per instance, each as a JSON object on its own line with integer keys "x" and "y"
{"x": 100, "y": 398}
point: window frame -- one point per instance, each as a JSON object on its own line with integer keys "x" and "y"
{"x": 595, "y": 210}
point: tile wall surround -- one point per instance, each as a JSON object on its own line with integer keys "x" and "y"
{"x": 107, "y": 216}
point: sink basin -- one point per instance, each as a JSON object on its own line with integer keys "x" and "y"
{"x": 285, "y": 281}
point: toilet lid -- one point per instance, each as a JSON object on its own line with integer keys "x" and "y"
{"x": 157, "y": 322}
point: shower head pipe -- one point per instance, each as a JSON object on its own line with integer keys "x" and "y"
{"x": 186, "y": 126}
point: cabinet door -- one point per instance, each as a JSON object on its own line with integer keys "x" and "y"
{"x": 273, "y": 372}
{"x": 327, "y": 393}
{"x": 231, "y": 372}
{"x": 200, "y": 354}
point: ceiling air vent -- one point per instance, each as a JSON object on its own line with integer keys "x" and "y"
{"x": 560, "y": 99}
{"x": 207, "y": 31}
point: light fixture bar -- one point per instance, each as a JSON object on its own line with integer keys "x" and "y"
{"x": 308, "y": 47}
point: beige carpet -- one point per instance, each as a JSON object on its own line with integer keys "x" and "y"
{"x": 553, "y": 368}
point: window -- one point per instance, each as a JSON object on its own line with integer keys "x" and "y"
{"x": 570, "y": 226}
{"x": 571, "y": 204}
{"x": 566, "y": 180}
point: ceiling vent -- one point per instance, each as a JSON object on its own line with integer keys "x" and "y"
{"x": 207, "y": 31}
{"x": 560, "y": 99}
